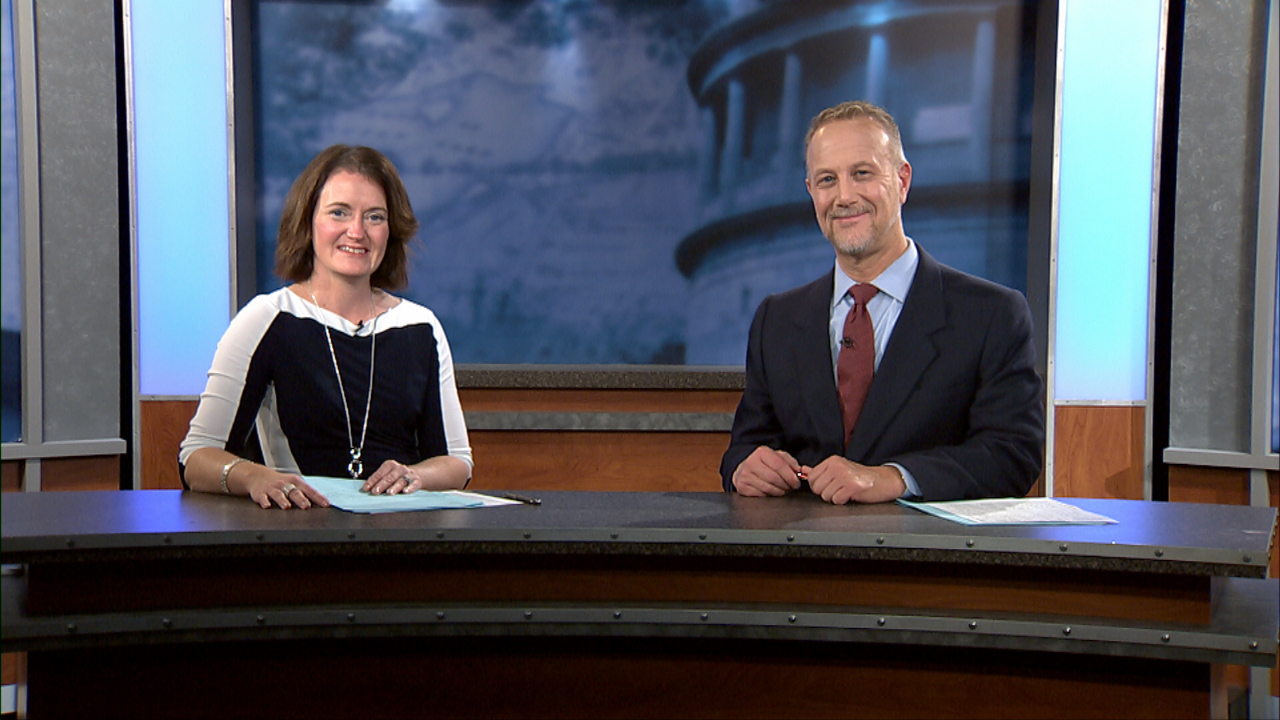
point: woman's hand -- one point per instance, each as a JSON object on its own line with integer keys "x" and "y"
{"x": 213, "y": 470}
{"x": 392, "y": 478}
{"x": 270, "y": 488}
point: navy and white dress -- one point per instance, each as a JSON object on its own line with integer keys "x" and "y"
{"x": 273, "y": 372}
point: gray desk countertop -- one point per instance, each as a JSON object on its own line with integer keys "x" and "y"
{"x": 1179, "y": 538}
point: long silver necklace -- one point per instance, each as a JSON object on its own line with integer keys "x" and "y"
{"x": 356, "y": 466}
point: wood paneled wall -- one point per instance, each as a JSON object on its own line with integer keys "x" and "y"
{"x": 164, "y": 424}
{"x": 11, "y": 476}
{"x": 532, "y": 459}
{"x": 1224, "y": 486}
{"x": 623, "y": 461}
{"x": 1099, "y": 451}
{"x": 70, "y": 473}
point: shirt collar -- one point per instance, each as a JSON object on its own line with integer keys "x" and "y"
{"x": 895, "y": 281}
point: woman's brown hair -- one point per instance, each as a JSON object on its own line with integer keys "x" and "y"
{"x": 295, "y": 258}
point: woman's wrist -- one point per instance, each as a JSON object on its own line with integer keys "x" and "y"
{"x": 226, "y": 472}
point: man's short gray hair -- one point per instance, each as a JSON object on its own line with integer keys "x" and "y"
{"x": 854, "y": 110}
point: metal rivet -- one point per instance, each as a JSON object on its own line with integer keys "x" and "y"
{"x": 1063, "y": 547}
{"x": 880, "y": 622}
{"x": 167, "y": 622}
{"x": 1248, "y": 558}
{"x": 167, "y": 540}
{"x": 969, "y": 543}
{"x": 71, "y": 543}
{"x": 440, "y": 615}
{"x": 260, "y": 536}
{"x": 613, "y": 536}
{"x": 528, "y": 535}
{"x": 702, "y": 536}
{"x": 1253, "y": 645}
{"x": 973, "y": 624}
{"x": 791, "y": 618}
{"x": 351, "y": 535}
{"x": 1164, "y": 638}
{"x": 879, "y": 541}
{"x": 261, "y": 619}
{"x": 617, "y": 615}
{"x": 528, "y": 614}
{"x": 71, "y": 627}
{"x": 704, "y": 616}
{"x": 791, "y": 538}
{"x": 351, "y": 617}
{"x": 440, "y": 535}
{"x": 1066, "y": 630}
{"x": 1159, "y": 553}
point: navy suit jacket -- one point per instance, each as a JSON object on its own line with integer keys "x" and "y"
{"x": 956, "y": 400}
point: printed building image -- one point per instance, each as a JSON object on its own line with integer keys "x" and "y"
{"x": 760, "y": 79}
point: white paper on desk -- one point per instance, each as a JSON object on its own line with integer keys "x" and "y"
{"x": 1011, "y": 511}
{"x": 345, "y": 494}
{"x": 483, "y": 499}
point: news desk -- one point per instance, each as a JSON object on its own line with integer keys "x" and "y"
{"x": 170, "y": 604}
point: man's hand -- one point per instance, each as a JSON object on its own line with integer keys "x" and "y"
{"x": 767, "y": 472}
{"x": 839, "y": 481}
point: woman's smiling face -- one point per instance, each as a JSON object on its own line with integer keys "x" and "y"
{"x": 350, "y": 228}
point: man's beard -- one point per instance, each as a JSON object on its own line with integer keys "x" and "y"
{"x": 857, "y": 245}
{"x": 855, "y": 248}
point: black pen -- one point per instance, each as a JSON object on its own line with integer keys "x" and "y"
{"x": 521, "y": 498}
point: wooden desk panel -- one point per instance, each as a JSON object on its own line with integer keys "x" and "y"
{"x": 522, "y": 677}
{"x": 132, "y": 586}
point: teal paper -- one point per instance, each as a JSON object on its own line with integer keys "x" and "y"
{"x": 345, "y": 494}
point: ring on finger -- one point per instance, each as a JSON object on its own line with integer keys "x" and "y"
{"x": 288, "y": 489}
{"x": 407, "y": 480}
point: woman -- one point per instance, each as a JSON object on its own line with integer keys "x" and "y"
{"x": 338, "y": 377}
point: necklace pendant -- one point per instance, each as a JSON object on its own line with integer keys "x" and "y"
{"x": 355, "y": 467}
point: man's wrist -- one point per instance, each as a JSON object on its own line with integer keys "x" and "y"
{"x": 909, "y": 487}
{"x": 902, "y": 479}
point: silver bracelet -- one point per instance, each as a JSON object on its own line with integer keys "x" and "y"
{"x": 226, "y": 470}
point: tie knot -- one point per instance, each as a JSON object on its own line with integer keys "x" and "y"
{"x": 864, "y": 292}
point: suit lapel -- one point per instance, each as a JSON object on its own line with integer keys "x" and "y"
{"x": 812, "y": 361}
{"x": 910, "y": 351}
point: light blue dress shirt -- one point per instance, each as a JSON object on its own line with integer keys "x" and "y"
{"x": 894, "y": 284}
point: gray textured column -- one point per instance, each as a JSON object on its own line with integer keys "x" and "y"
{"x": 80, "y": 239}
{"x": 1216, "y": 225}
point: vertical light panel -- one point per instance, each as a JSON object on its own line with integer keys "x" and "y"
{"x": 10, "y": 238}
{"x": 1110, "y": 81}
{"x": 180, "y": 149}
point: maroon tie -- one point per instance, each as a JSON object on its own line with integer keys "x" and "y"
{"x": 857, "y": 361}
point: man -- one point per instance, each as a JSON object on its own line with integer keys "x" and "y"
{"x": 924, "y": 388}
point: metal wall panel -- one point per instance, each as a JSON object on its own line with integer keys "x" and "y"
{"x": 1211, "y": 385}
{"x": 80, "y": 219}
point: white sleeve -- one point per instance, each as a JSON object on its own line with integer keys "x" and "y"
{"x": 455, "y": 425}
{"x": 220, "y": 400}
